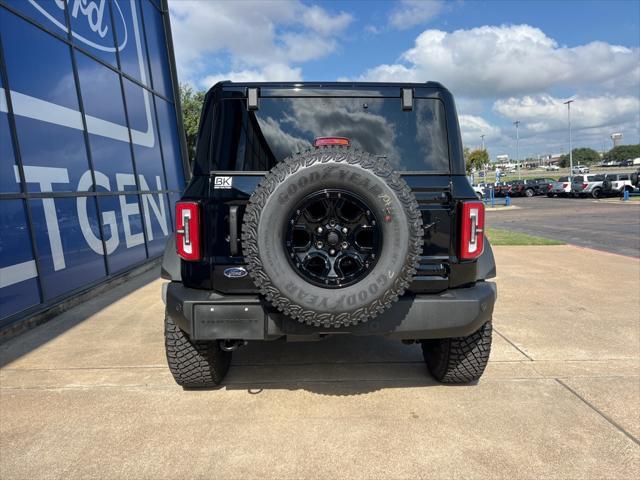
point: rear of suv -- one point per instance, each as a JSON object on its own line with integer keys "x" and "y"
{"x": 319, "y": 209}
{"x": 588, "y": 185}
{"x": 616, "y": 184}
{"x": 561, "y": 188}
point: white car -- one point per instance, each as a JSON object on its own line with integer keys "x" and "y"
{"x": 479, "y": 191}
{"x": 580, "y": 169}
{"x": 588, "y": 185}
{"x": 617, "y": 183}
{"x": 561, "y": 188}
{"x": 552, "y": 168}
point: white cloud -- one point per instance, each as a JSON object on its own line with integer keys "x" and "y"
{"x": 410, "y": 13}
{"x": 255, "y": 35}
{"x": 318, "y": 20}
{"x": 509, "y": 60}
{"x": 544, "y": 113}
{"x": 271, "y": 73}
{"x": 472, "y": 126}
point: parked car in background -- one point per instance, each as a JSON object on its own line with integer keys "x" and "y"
{"x": 530, "y": 187}
{"x": 616, "y": 183}
{"x": 500, "y": 189}
{"x": 544, "y": 184}
{"x": 561, "y": 188}
{"x": 479, "y": 191}
{"x": 504, "y": 189}
{"x": 580, "y": 169}
{"x": 612, "y": 163}
{"x": 552, "y": 168}
{"x": 587, "y": 185}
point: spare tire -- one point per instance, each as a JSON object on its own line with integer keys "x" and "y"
{"x": 332, "y": 236}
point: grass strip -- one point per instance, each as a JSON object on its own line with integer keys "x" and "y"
{"x": 498, "y": 236}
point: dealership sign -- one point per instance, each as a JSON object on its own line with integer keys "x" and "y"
{"x": 95, "y": 13}
{"x": 95, "y": 16}
{"x": 38, "y": 109}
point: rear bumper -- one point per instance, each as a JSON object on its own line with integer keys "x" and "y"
{"x": 206, "y": 315}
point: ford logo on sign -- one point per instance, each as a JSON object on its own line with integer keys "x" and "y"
{"x": 96, "y": 13}
{"x": 235, "y": 272}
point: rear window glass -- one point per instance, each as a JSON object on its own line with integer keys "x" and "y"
{"x": 578, "y": 178}
{"x": 413, "y": 140}
{"x": 563, "y": 179}
{"x": 612, "y": 177}
{"x": 596, "y": 178}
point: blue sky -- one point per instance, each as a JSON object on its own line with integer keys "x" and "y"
{"x": 504, "y": 61}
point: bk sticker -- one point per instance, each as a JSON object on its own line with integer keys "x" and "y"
{"x": 222, "y": 182}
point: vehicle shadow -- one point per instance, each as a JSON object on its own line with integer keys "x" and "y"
{"x": 337, "y": 366}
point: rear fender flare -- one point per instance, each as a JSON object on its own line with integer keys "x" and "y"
{"x": 486, "y": 266}
{"x": 170, "y": 269}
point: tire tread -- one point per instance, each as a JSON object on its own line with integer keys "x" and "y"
{"x": 459, "y": 359}
{"x": 194, "y": 364}
{"x": 291, "y": 165}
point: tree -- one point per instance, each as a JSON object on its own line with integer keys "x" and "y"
{"x": 581, "y": 156}
{"x": 191, "y": 106}
{"x": 476, "y": 159}
{"x": 623, "y": 152}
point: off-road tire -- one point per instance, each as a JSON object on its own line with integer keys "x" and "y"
{"x": 194, "y": 364}
{"x": 458, "y": 359}
{"x": 529, "y": 192}
{"x": 273, "y": 201}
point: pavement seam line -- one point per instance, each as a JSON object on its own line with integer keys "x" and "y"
{"x": 513, "y": 344}
{"x": 599, "y": 412}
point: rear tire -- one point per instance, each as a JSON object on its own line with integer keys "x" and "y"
{"x": 194, "y": 364}
{"x": 458, "y": 359}
{"x": 597, "y": 193}
{"x": 529, "y": 192}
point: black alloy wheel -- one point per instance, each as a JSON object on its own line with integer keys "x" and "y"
{"x": 333, "y": 239}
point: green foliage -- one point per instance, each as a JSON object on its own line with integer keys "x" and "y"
{"x": 581, "y": 156}
{"x": 498, "y": 236}
{"x": 191, "y": 106}
{"x": 476, "y": 159}
{"x": 623, "y": 152}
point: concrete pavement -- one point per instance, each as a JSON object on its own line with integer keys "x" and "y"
{"x": 88, "y": 395}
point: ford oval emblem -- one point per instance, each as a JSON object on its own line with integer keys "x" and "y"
{"x": 235, "y": 272}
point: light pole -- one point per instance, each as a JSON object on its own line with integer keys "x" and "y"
{"x": 484, "y": 166}
{"x": 517, "y": 124}
{"x": 568, "y": 104}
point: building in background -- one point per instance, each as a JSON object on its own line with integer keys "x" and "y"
{"x": 92, "y": 155}
{"x": 616, "y": 138}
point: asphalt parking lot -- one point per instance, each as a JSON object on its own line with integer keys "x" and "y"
{"x": 88, "y": 395}
{"x": 610, "y": 224}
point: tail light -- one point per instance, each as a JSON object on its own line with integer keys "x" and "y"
{"x": 584, "y": 185}
{"x": 549, "y": 187}
{"x": 471, "y": 230}
{"x": 188, "y": 230}
{"x": 565, "y": 185}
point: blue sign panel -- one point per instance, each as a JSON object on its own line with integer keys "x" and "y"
{"x": 98, "y": 154}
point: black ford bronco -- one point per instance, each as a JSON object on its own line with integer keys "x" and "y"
{"x": 318, "y": 209}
